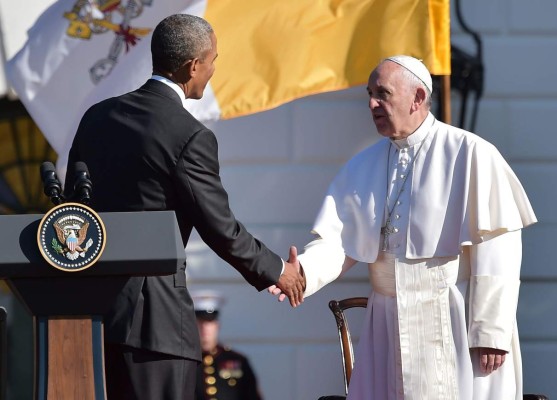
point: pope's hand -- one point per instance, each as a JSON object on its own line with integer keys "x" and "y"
{"x": 490, "y": 359}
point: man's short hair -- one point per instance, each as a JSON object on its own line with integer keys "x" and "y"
{"x": 179, "y": 38}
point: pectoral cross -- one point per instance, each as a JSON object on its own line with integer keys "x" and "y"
{"x": 387, "y": 230}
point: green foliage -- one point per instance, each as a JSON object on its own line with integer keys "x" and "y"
{"x": 56, "y": 246}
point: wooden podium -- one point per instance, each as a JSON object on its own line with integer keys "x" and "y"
{"x": 67, "y": 307}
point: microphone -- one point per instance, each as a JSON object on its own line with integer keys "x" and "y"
{"x": 82, "y": 185}
{"x": 51, "y": 183}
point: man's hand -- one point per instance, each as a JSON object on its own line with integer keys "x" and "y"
{"x": 490, "y": 359}
{"x": 292, "y": 282}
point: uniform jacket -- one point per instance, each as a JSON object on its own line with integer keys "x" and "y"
{"x": 225, "y": 374}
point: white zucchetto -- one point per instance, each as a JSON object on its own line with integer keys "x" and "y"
{"x": 416, "y": 67}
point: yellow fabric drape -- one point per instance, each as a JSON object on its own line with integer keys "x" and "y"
{"x": 271, "y": 52}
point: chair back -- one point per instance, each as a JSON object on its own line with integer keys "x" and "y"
{"x": 338, "y": 307}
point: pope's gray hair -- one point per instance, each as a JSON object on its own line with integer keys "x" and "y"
{"x": 179, "y": 38}
{"x": 414, "y": 82}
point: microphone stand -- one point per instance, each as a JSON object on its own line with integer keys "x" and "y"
{"x": 51, "y": 183}
{"x": 83, "y": 186}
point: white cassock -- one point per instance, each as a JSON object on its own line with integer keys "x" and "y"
{"x": 448, "y": 280}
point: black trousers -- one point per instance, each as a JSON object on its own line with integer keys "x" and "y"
{"x": 138, "y": 374}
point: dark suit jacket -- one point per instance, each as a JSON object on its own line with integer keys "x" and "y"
{"x": 145, "y": 152}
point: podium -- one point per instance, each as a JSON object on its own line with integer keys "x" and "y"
{"x": 67, "y": 307}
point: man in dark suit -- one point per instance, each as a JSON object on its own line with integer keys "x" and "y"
{"x": 145, "y": 152}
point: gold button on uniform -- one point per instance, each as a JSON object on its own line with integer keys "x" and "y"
{"x": 225, "y": 373}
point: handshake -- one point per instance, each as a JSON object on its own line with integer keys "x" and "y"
{"x": 292, "y": 282}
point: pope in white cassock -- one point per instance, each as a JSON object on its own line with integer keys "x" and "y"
{"x": 436, "y": 213}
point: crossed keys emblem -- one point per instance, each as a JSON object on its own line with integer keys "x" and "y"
{"x": 90, "y": 17}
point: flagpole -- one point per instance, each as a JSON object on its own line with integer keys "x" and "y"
{"x": 446, "y": 98}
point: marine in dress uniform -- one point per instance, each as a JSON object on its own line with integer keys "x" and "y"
{"x": 223, "y": 374}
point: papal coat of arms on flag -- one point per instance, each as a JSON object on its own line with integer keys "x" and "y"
{"x": 94, "y": 17}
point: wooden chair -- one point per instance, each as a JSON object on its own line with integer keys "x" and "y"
{"x": 347, "y": 352}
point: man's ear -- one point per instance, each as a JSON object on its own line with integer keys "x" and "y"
{"x": 193, "y": 66}
{"x": 419, "y": 98}
{"x": 186, "y": 70}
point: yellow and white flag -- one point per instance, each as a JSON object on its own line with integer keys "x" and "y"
{"x": 270, "y": 52}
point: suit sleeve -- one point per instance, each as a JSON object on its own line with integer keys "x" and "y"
{"x": 205, "y": 201}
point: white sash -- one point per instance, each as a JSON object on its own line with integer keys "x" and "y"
{"x": 427, "y": 354}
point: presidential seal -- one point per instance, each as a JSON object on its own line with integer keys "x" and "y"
{"x": 71, "y": 237}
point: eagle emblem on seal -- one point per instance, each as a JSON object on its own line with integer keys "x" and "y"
{"x": 71, "y": 232}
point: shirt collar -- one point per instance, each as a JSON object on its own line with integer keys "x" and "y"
{"x": 418, "y": 135}
{"x": 173, "y": 86}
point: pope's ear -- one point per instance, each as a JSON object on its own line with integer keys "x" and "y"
{"x": 420, "y": 97}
